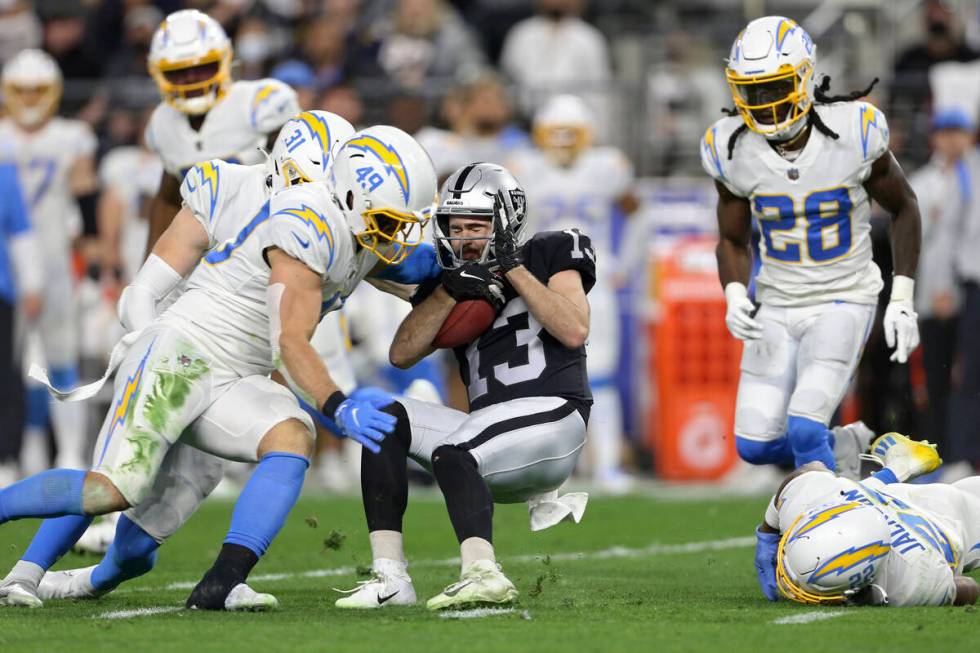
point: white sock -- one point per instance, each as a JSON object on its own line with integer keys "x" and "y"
{"x": 473, "y": 549}
{"x": 68, "y": 419}
{"x": 387, "y": 545}
{"x": 26, "y": 573}
{"x": 605, "y": 431}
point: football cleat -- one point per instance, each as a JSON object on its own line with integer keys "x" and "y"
{"x": 391, "y": 585}
{"x": 243, "y": 598}
{"x": 20, "y": 595}
{"x": 97, "y": 537}
{"x": 906, "y": 457}
{"x": 68, "y": 584}
{"x": 850, "y": 442}
{"x": 482, "y": 583}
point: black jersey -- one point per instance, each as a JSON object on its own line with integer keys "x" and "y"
{"x": 516, "y": 357}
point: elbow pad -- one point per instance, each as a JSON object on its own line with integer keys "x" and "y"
{"x": 138, "y": 303}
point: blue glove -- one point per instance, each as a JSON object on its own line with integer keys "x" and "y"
{"x": 420, "y": 265}
{"x": 359, "y": 418}
{"x": 765, "y": 562}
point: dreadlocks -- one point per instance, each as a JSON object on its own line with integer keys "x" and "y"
{"x": 820, "y": 96}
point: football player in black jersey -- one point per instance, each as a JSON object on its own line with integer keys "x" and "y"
{"x": 527, "y": 384}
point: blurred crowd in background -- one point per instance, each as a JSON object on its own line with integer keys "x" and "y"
{"x": 467, "y": 78}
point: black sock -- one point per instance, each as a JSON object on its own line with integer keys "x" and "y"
{"x": 468, "y": 498}
{"x": 384, "y": 479}
{"x": 232, "y": 567}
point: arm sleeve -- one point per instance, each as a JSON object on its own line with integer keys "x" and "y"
{"x": 202, "y": 193}
{"x": 301, "y": 230}
{"x": 272, "y": 105}
{"x": 417, "y": 267}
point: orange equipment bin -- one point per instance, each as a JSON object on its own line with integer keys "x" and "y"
{"x": 695, "y": 364}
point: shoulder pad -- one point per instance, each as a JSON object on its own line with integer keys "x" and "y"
{"x": 872, "y": 131}
{"x": 714, "y": 147}
{"x": 272, "y": 103}
{"x": 304, "y": 223}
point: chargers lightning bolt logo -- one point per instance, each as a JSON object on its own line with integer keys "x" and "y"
{"x": 869, "y": 118}
{"x": 387, "y": 155}
{"x": 785, "y": 28}
{"x": 125, "y": 403}
{"x": 210, "y": 178}
{"x": 850, "y": 558}
{"x": 321, "y": 132}
{"x": 712, "y": 149}
{"x": 825, "y": 516}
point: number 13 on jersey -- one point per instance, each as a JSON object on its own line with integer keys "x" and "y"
{"x": 827, "y": 219}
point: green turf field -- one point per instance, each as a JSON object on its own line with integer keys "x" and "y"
{"x": 637, "y": 575}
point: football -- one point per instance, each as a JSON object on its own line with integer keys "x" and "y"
{"x": 464, "y": 324}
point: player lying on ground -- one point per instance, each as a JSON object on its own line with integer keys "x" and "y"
{"x": 828, "y": 540}
{"x": 806, "y": 166}
{"x": 525, "y": 376}
{"x": 235, "y": 424}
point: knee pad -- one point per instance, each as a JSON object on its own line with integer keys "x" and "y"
{"x": 135, "y": 552}
{"x": 37, "y": 407}
{"x": 403, "y": 429}
{"x": 449, "y": 457}
{"x": 770, "y": 452}
{"x": 64, "y": 378}
{"x": 810, "y": 441}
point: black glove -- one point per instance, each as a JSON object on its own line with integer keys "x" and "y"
{"x": 505, "y": 247}
{"x": 472, "y": 280}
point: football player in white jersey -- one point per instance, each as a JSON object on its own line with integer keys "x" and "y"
{"x": 573, "y": 184}
{"x": 194, "y": 365}
{"x": 827, "y": 540}
{"x": 806, "y": 167}
{"x": 204, "y": 114}
{"x": 55, "y": 164}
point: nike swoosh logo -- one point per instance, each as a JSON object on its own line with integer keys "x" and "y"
{"x": 383, "y": 599}
{"x": 454, "y": 591}
{"x": 470, "y": 276}
{"x": 304, "y": 243}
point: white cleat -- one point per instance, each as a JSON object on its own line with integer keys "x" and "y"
{"x": 20, "y": 595}
{"x": 906, "y": 457}
{"x": 243, "y": 598}
{"x": 68, "y": 584}
{"x": 481, "y": 584}
{"x": 97, "y": 538}
{"x": 391, "y": 585}
{"x": 850, "y": 442}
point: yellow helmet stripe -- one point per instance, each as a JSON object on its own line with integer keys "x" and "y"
{"x": 785, "y": 28}
{"x": 388, "y": 156}
{"x": 851, "y": 558}
{"x": 824, "y": 516}
{"x": 319, "y": 129}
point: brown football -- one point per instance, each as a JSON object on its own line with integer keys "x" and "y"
{"x": 464, "y": 324}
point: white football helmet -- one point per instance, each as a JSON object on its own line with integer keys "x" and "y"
{"x": 190, "y": 60}
{"x": 386, "y": 185}
{"x": 830, "y": 550}
{"x": 305, "y": 148}
{"x": 771, "y": 75}
{"x": 31, "y": 87}
{"x": 562, "y": 128}
{"x": 471, "y": 192}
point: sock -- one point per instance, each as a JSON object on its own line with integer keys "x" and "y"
{"x": 53, "y": 493}
{"x": 68, "y": 420}
{"x": 605, "y": 431}
{"x": 468, "y": 498}
{"x": 266, "y": 500}
{"x": 387, "y": 545}
{"x": 55, "y": 538}
{"x": 37, "y": 411}
{"x": 26, "y": 573}
{"x": 474, "y": 549}
{"x": 810, "y": 441}
{"x": 886, "y": 476}
{"x": 232, "y": 567}
{"x": 771, "y": 452}
{"x": 132, "y": 553}
{"x": 384, "y": 478}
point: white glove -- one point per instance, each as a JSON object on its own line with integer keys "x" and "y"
{"x": 738, "y": 319}
{"x": 901, "y": 321}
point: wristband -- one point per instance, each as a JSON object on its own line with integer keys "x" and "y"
{"x": 735, "y": 290}
{"x": 333, "y": 402}
{"x": 903, "y": 288}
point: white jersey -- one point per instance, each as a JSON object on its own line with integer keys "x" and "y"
{"x": 44, "y": 161}
{"x": 224, "y": 301}
{"x": 232, "y": 130}
{"x": 308, "y": 225}
{"x": 813, "y": 212}
{"x": 581, "y": 196}
{"x": 926, "y": 545}
{"x": 133, "y": 174}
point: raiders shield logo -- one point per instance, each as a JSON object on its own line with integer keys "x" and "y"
{"x": 519, "y": 201}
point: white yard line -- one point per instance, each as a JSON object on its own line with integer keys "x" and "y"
{"x": 478, "y": 613}
{"x": 809, "y": 617}
{"x": 603, "y": 554}
{"x": 138, "y": 612}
